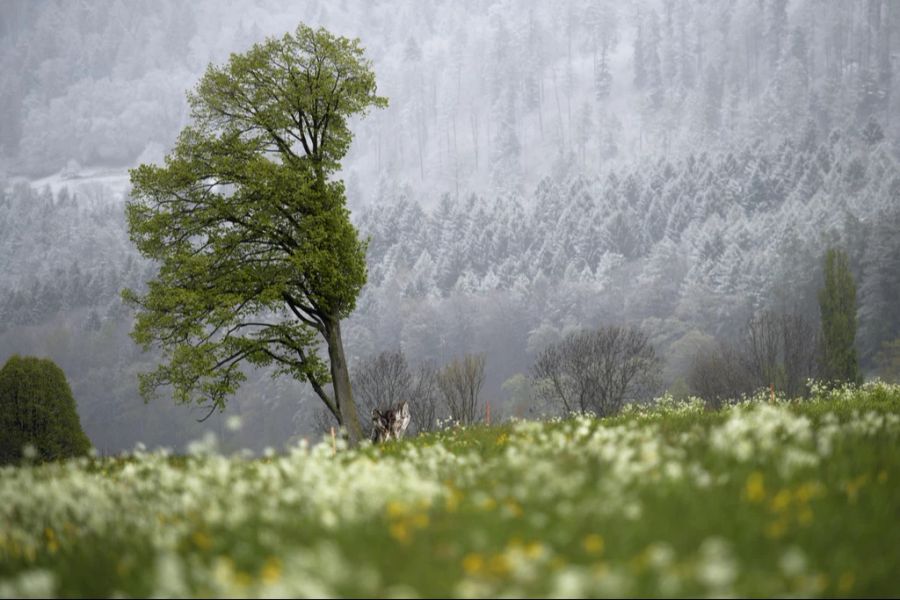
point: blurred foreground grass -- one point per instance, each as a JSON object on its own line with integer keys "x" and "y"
{"x": 760, "y": 499}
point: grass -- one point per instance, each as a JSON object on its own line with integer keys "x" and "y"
{"x": 758, "y": 499}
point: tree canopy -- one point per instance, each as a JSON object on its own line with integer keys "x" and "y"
{"x": 258, "y": 259}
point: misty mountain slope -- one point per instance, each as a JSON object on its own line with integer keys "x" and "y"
{"x": 687, "y": 249}
{"x": 701, "y": 243}
{"x": 485, "y": 95}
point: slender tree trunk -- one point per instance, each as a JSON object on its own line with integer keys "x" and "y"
{"x": 340, "y": 381}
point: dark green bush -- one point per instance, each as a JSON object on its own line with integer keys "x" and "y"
{"x": 37, "y": 409}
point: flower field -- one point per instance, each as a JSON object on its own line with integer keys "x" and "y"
{"x": 761, "y": 498}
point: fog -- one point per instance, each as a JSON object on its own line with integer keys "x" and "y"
{"x": 542, "y": 167}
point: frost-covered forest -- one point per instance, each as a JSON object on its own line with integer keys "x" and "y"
{"x": 543, "y": 166}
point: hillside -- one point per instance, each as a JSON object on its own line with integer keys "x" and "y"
{"x": 485, "y": 95}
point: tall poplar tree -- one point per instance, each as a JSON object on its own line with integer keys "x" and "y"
{"x": 837, "y": 304}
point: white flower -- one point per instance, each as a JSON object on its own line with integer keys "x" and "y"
{"x": 793, "y": 562}
{"x": 29, "y": 452}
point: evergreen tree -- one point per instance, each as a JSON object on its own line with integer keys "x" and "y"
{"x": 37, "y": 409}
{"x": 837, "y": 303}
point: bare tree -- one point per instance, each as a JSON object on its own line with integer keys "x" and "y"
{"x": 384, "y": 381}
{"x": 424, "y": 405}
{"x": 719, "y": 374}
{"x": 780, "y": 350}
{"x": 597, "y": 370}
{"x": 460, "y": 386}
{"x": 762, "y": 352}
{"x": 802, "y": 351}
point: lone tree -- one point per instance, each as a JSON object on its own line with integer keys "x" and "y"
{"x": 37, "y": 409}
{"x": 837, "y": 304}
{"x": 258, "y": 259}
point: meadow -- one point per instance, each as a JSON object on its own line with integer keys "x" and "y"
{"x": 760, "y": 498}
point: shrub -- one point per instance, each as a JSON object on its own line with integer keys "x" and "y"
{"x": 37, "y": 409}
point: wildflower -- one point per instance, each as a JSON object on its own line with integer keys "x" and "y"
{"x": 400, "y": 532}
{"x": 396, "y": 509}
{"x": 499, "y": 565}
{"x": 29, "y": 452}
{"x": 201, "y": 540}
{"x": 755, "y": 489}
{"x": 845, "y": 583}
{"x": 271, "y": 571}
{"x": 793, "y": 562}
{"x": 717, "y": 568}
{"x": 593, "y": 543}
{"x": 776, "y": 529}
{"x": 473, "y": 563}
{"x": 781, "y": 501}
{"x": 512, "y": 509}
{"x": 420, "y": 520}
{"x": 534, "y": 550}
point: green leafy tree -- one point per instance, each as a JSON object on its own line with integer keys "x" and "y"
{"x": 258, "y": 259}
{"x": 837, "y": 304}
{"x": 37, "y": 409}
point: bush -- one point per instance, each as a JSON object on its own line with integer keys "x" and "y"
{"x": 37, "y": 409}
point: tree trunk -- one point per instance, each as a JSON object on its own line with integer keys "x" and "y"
{"x": 340, "y": 381}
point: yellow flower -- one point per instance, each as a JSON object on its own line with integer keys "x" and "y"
{"x": 473, "y": 563}
{"x": 808, "y": 491}
{"x": 52, "y": 542}
{"x": 271, "y": 571}
{"x": 400, "y": 532}
{"x": 776, "y": 529}
{"x": 453, "y": 499}
{"x": 755, "y": 489}
{"x": 488, "y": 504}
{"x": 593, "y": 544}
{"x": 845, "y": 583}
{"x": 201, "y": 540}
{"x": 854, "y": 486}
{"x": 242, "y": 579}
{"x": 499, "y": 565}
{"x": 534, "y": 550}
{"x": 512, "y": 509}
{"x": 396, "y": 509}
{"x": 806, "y": 516}
{"x": 420, "y": 520}
{"x": 781, "y": 501}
